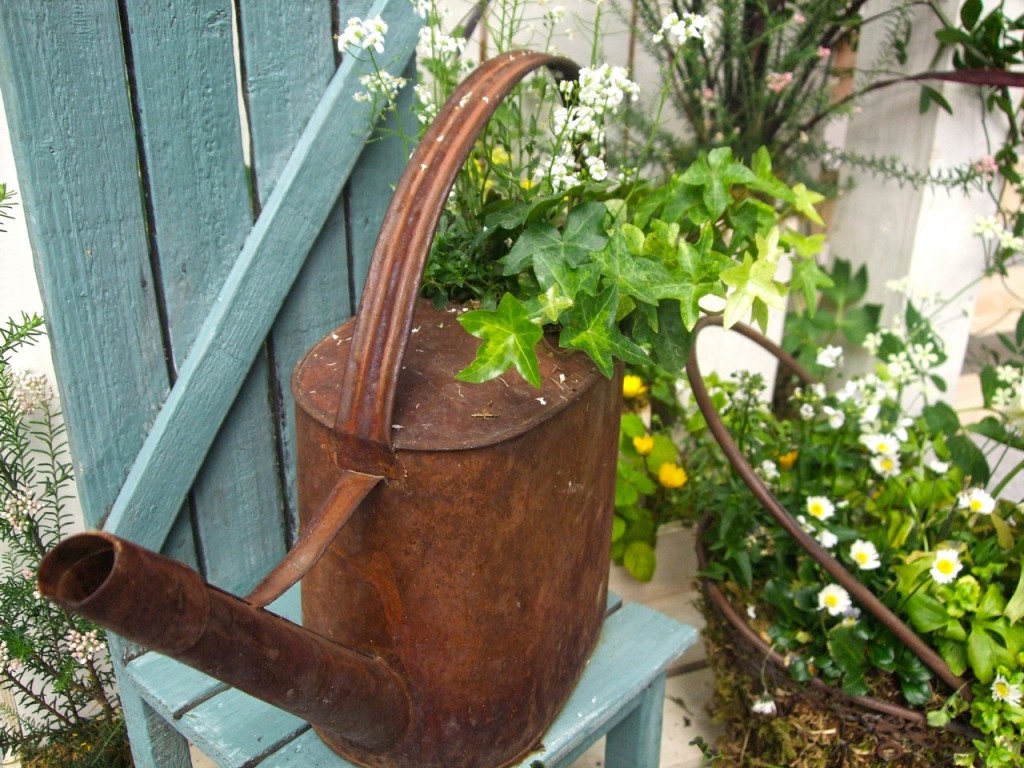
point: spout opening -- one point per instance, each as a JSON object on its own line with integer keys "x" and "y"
{"x": 77, "y": 568}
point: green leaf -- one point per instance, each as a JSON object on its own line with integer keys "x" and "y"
{"x": 931, "y": 96}
{"x": 1015, "y": 607}
{"x": 806, "y": 199}
{"x": 636, "y": 276}
{"x": 809, "y": 279}
{"x": 941, "y": 419}
{"x": 926, "y": 613}
{"x": 591, "y": 327}
{"x": 849, "y": 650}
{"x": 753, "y": 282}
{"x": 553, "y": 253}
{"x": 970, "y": 12}
{"x": 985, "y": 654}
{"x": 640, "y": 560}
{"x": 509, "y": 340}
{"x": 969, "y": 458}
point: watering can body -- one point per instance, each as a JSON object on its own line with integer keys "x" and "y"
{"x": 454, "y": 538}
{"x": 478, "y": 569}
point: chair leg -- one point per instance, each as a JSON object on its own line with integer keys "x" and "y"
{"x": 636, "y": 741}
{"x": 155, "y": 744}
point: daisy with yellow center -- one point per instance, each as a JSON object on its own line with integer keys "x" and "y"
{"x": 820, "y": 507}
{"x": 1004, "y": 690}
{"x": 946, "y": 566}
{"x": 633, "y": 386}
{"x": 865, "y": 555}
{"x": 672, "y": 476}
{"x": 834, "y": 599}
{"x": 978, "y": 501}
{"x": 881, "y": 444}
{"x": 643, "y": 444}
{"x": 886, "y": 464}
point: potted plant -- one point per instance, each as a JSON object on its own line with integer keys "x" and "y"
{"x": 544, "y": 230}
{"x": 863, "y": 545}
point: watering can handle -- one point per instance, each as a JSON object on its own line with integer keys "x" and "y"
{"x": 383, "y": 323}
{"x": 833, "y": 567}
{"x": 382, "y": 328}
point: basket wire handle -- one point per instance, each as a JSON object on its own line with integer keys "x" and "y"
{"x": 857, "y": 590}
{"x": 381, "y": 334}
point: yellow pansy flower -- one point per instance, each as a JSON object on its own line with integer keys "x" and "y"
{"x": 644, "y": 444}
{"x": 632, "y": 386}
{"x": 787, "y": 460}
{"x": 672, "y": 475}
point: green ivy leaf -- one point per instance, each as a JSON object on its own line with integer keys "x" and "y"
{"x": 552, "y": 253}
{"x": 509, "y": 340}
{"x": 806, "y": 199}
{"x": 753, "y": 282}
{"x": 640, "y": 560}
{"x": 591, "y": 327}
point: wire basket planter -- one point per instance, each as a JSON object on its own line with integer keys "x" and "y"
{"x": 842, "y": 729}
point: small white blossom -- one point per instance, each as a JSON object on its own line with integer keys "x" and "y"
{"x": 865, "y": 555}
{"x": 690, "y": 27}
{"x": 764, "y": 705}
{"x": 1003, "y": 690}
{"x": 938, "y": 467}
{"x": 836, "y": 418}
{"x": 363, "y": 34}
{"x": 834, "y": 599}
{"x": 947, "y": 565}
{"x": 977, "y": 500}
{"x": 806, "y": 411}
{"x": 820, "y": 507}
{"x": 31, "y": 391}
{"x": 82, "y": 645}
{"x": 768, "y": 470}
{"x": 830, "y": 356}
{"x": 382, "y": 85}
{"x": 422, "y": 8}
{"x": 19, "y": 509}
{"x": 827, "y": 539}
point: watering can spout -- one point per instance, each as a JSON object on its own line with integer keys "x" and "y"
{"x": 166, "y": 606}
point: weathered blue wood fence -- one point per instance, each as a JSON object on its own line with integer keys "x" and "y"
{"x": 201, "y": 210}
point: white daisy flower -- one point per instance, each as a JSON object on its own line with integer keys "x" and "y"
{"x": 834, "y": 599}
{"x": 820, "y": 507}
{"x": 946, "y": 566}
{"x": 865, "y": 555}
{"x": 1003, "y": 690}
{"x": 977, "y": 500}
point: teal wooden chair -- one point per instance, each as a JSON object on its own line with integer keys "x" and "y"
{"x": 190, "y": 246}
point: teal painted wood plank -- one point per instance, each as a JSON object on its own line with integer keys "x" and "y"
{"x": 201, "y": 212}
{"x": 75, "y": 148}
{"x": 236, "y": 730}
{"x": 285, "y": 76}
{"x": 252, "y": 294}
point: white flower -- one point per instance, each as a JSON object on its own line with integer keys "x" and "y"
{"x": 834, "y": 599}
{"x": 690, "y": 27}
{"x": 380, "y": 84}
{"x": 422, "y": 8}
{"x": 806, "y": 411}
{"x": 864, "y": 554}
{"x": 977, "y": 500}
{"x": 827, "y": 539}
{"x": 31, "y": 391}
{"x": 886, "y": 464}
{"x": 946, "y": 566}
{"x": 764, "y": 705}
{"x": 836, "y": 418}
{"x": 768, "y": 470}
{"x": 1003, "y": 690}
{"x": 751, "y": 612}
{"x": 830, "y": 356}
{"x": 938, "y": 467}
{"x": 820, "y": 507}
{"x": 83, "y": 645}
{"x": 597, "y": 169}
{"x": 884, "y": 444}
{"x": 363, "y": 34}
{"x": 19, "y": 509}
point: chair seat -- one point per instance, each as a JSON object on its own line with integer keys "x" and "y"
{"x": 238, "y": 731}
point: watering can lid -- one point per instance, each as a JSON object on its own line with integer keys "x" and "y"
{"x": 433, "y": 410}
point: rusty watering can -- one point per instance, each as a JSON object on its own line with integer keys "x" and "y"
{"x": 454, "y": 538}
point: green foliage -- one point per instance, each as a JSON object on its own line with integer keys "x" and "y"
{"x": 54, "y": 664}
